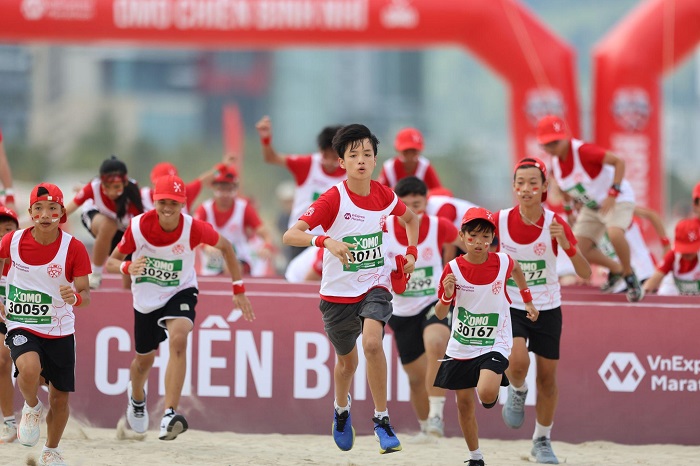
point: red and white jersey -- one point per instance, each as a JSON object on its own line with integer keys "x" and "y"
{"x": 389, "y": 170}
{"x": 91, "y": 197}
{"x": 448, "y": 207}
{"x": 316, "y": 183}
{"x": 481, "y": 318}
{"x": 33, "y": 299}
{"x": 368, "y": 268}
{"x": 169, "y": 269}
{"x": 538, "y": 261}
{"x": 687, "y": 282}
{"x": 233, "y": 230}
{"x": 591, "y": 191}
{"x": 421, "y": 290}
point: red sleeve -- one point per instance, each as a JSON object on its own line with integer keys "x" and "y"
{"x": 399, "y": 209}
{"x": 299, "y": 166}
{"x": 78, "y": 261}
{"x": 324, "y": 210}
{"x": 382, "y": 177}
{"x": 5, "y": 245}
{"x": 665, "y": 266}
{"x": 448, "y": 211}
{"x": 592, "y": 158}
{"x": 432, "y": 180}
{"x": 84, "y": 194}
{"x": 193, "y": 189}
{"x": 445, "y": 272}
{"x": 200, "y": 214}
{"x": 511, "y": 264}
{"x": 127, "y": 245}
{"x": 447, "y": 232}
{"x": 250, "y": 217}
{"x": 202, "y": 233}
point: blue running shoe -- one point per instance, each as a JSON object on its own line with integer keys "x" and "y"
{"x": 388, "y": 442}
{"x": 343, "y": 431}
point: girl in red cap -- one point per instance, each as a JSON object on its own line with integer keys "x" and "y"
{"x": 682, "y": 260}
{"x": 534, "y": 236}
{"x": 481, "y": 337}
{"x": 164, "y": 288}
{"x": 47, "y": 281}
{"x": 408, "y": 161}
{"x": 109, "y": 202}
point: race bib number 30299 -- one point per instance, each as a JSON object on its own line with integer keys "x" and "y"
{"x": 367, "y": 253}
{"x": 29, "y": 307}
{"x": 161, "y": 272}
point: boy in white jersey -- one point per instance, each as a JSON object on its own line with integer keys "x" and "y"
{"x": 682, "y": 260}
{"x": 8, "y": 430}
{"x": 533, "y": 236}
{"x": 421, "y": 338}
{"x": 162, "y": 244}
{"x": 481, "y": 338}
{"x": 594, "y": 177}
{"x": 48, "y": 279}
{"x": 355, "y": 283}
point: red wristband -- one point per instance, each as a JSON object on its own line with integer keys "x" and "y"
{"x": 412, "y": 250}
{"x": 665, "y": 241}
{"x": 124, "y": 267}
{"x": 265, "y": 141}
{"x": 238, "y": 287}
{"x": 571, "y": 252}
{"x": 613, "y": 192}
{"x": 78, "y": 300}
{"x": 446, "y": 301}
{"x": 527, "y": 295}
{"x": 319, "y": 240}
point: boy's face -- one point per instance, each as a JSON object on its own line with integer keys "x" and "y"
{"x": 528, "y": 186}
{"x": 6, "y": 225}
{"x": 410, "y": 155}
{"x": 556, "y": 148}
{"x": 113, "y": 189}
{"x": 46, "y": 215}
{"x": 415, "y": 202}
{"x": 329, "y": 159}
{"x": 225, "y": 191}
{"x": 476, "y": 242}
{"x": 359, "y": 160}
{"x": 168, "y": 209}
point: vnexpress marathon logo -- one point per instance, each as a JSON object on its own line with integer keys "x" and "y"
{"x": 623, "y": 372}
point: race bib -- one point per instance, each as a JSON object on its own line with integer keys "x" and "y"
{"x": 161, "y": 272}
{"x": 29, "y": 307}
{"x": 422, "y": 283}
{"x": 688, "y": 287}
{"x": 579, "y": 193}
{"x": 475, "y": 329}
{"x": 367, "y": 253}
{"x": 534, "y": 272}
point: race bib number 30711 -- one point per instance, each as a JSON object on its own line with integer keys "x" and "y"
{"x": 29, "y": 307}
{"x": 367, "y": 253}
{"x": 161, "y": 272}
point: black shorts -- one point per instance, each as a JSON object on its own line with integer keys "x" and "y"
{"x": 543, "y": 335}
{"x": 458, "y": 374}
{"x": 408, "y": 332}
{"x": 343, "y": 322}
{"x": 57, "y": 356}
{"x": 86, "y": 218}
{"x": 3, "y": 328}
{"x": 149, "y": 329}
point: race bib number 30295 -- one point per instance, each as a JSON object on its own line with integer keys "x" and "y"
{"x": 161, "y": 272}
{"x": 367, "y": 253}
{"x": 29, "y": 307}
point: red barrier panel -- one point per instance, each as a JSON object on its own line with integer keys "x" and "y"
{"x": 630, "y": 372}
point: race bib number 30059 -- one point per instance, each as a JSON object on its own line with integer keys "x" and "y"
{"x": 29, "y": 307}
{"x": 367, "y": 253}
{"x": 161, "y": 272}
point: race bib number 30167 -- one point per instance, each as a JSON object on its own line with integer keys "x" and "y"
{"x": 161, "y": 272}
{"x": 475, "y": 329}
{"x": 29, "y": 307}
{"x": 367, "y": 253}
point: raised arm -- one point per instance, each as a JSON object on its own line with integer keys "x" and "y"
{"x": 270, "y": 155}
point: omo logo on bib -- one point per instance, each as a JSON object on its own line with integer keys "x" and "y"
{"x": 161, "y": 272}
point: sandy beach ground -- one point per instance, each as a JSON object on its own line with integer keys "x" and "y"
{"x": 89, "y": 446}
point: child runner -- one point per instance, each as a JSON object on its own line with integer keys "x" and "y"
{"x": 48, "y": 279}
{"x": 162, "y": 243}
{"x": 109, "y": 202}
{"x": 421, "y": 338}
{"x": 481, "y": 338}
{"x": 533, "y": 236}
{"x": 408, "y": 161}
{"x": 682, "y": 260}
{"x": 355, "y": 283}
{"x": 8, "y": 431}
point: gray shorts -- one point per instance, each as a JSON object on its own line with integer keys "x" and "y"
{"x": 343, "y": 322}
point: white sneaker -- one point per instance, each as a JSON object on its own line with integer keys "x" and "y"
{"x": 136, "y": 413}
{"x": 29, "y": 431}
{"x": 436, "y": 427}
{"x": 8, "y": 432}
{"x": 51, "y": 458}
{"x": 95, "y": 280}
{"x": 172, "y": 425}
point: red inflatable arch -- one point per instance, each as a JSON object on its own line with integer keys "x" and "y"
{"x": 629, "y": 63}
{"x": 537, "y": 65}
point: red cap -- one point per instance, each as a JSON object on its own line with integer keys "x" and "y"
{"x": 50, "y": 192}
{"x": 162, "y": 169}
{"x": 408, "y": 138}
{"x": 696, "y": 192}
{"x": 551, "y": 128}
{"x": 226, "y": 174}
{"x": 7, "y": 212}
{"x": 687, "y": 236}
{"x": 170, "y": 187}
{"x": 475, "y": 213}
{"x": 534, "y": 162}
